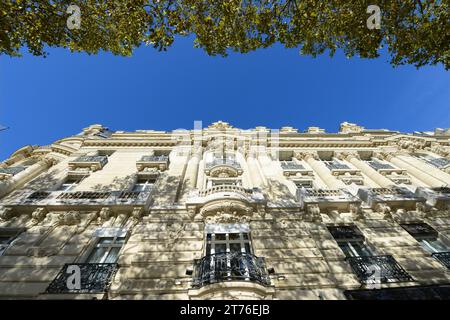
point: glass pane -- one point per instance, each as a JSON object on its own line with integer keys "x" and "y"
{"x": 5, "y": 240}
{"x": 220, "y": 236}
{"x": 361, "y": 249}
{"x": 234, "y": 236}
{"x": 354, "y": 249}
{"x": 120, "y": 240}
{"x": 208, "y": 248}
{"x": 221, "y": 248}
{"x": 235, "y": 247}
{"x": 97, "y": 255}
{"x": 106, "y": 240}
{"x": 247, "y": 248}
{"x": 245, "y": 236}
{"x": 112, "y": 256}
{"x": 138, "y": 187}
{"x": 208, "y": 237}
{"x": 433, "y": 245}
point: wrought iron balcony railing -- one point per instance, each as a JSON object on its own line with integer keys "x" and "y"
{"x": 92, "y": 162}
{"x": 327, "y": 198}
{"x": 94, "y": 278}
{"x": 230, "y": 266}
{"x": 378, "y": 269}
{"x": 88, "y": 198}
{"x": 154, "y": 158}
{"x": 437, "y": 197}
{"x": 100, "y": 159}
{"x": 395, "y": 196}
{"x": 160, "y": 163}
{"x": 443, "y": 257}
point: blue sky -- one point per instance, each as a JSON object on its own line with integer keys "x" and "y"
{"x": 45, "y": 99}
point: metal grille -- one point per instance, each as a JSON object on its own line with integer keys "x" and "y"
{"x": 230, "y": 266}
{"x": 102, "y": 159}
{"x": 378, "y": 269}
{"x": 95, "y": 278}
{"x": 84, "y": 195}
{"x": 443, "y": 257}
{"x": 39, "y": 195}
{"x": 155, "y": 159}
{"x": 346, "y": 232}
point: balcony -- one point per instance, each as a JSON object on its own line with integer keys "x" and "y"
{"x": 230, "y": 266}
{"x": 326, "y": 198}
{"x": 85, "y": 198}
{"x": 378, "y": 269}
{"x": 94, "y": 278}
{"x": 436, "y": 197}
{"x": 225, "y": 191}
{"x": 291, "y": 168}
{"x": 94, "y": 163}
{"x": 6, "y": 173}
{"x": 218, "y": 166}
{"x": 393, "y": 197}
{"x": 443, "y": 257}
{"x": 148, "y": 163}
{"x": 338, "y": 168}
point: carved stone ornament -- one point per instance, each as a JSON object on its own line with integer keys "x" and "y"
{"x": 313, "y": 213}
{"x": 347, "y": 155}
{"x": 104, "y": 215}
{"x": 38, "y": 215}
{"x": 224, "y": 172}
{"x": 411, "y": 145}
{"x": 304, "y": 155}
{"x": 356, "y": 211}
{"x": 6, "y": 214}
{"x": 69, "y": 218}
{"x": 231, "y": 211}
{"x": 385, "y": 210}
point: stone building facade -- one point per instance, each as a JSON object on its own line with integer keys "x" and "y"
{"x": 226, "y": 213}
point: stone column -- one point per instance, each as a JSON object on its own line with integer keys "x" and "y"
{"x": 428, "y": 168}
{"x": 320, "y": 169}
{"x": 253, "y": 169}
{"x": 370, "y": 172}
{"x": 190, "y": 179}
{"x": 25, "y": 176}
{"x": 420, "y": 172}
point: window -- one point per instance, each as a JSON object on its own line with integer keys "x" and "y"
{"x": 144, "y": 184}
{"x": 335, "y": 165}
{"x": 7, "y": 237}
{"x": 217, "y": 243}
{"x": 70, "y": 183}
{"x": 426, "y": 236}
{"x": 438, "y": 162}
{"x": 350, "y": 240}
{"x": 378, "y": 165}
{"x": 303, "y": 183}
{"x": 106, "y": 250}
